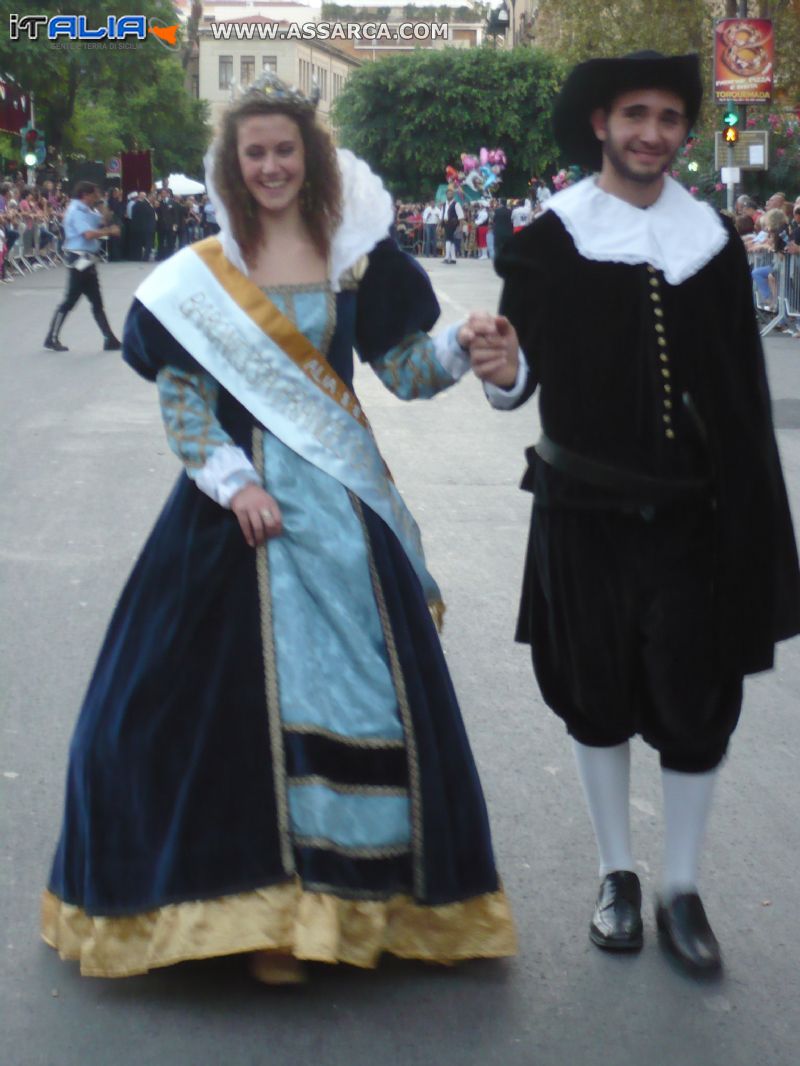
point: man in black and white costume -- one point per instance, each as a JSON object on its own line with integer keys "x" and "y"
{"x": 452, "y": 217}
{"x": 661, "y": 566}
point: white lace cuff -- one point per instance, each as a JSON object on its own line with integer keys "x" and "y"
{"x": 449, "y": 353}
{"x": 504, "y": 399}
{"x": 225, "y": 471}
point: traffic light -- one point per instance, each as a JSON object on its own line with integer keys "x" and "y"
{"x": 731, "y": 129}
{"x": 33, "y": 143}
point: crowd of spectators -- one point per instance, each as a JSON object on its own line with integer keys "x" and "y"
{"x": 419, "y": 227}
{"x": 156, "y": 224}
{"x": 30, "y": 225}
{"x": 771, "y": 236}
{"x": 153, "y": 224}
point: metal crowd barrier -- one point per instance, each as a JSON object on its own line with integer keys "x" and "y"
{"x": 789, "y": 290}
{"x": 782, "y": 312}
{"x": 33, "y": 251}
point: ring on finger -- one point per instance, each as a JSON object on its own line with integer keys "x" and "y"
{"x": 268, "y": 516}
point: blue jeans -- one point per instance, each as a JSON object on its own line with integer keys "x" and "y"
{"x": 760, "y": 275}
{"x": 429, "y": 239}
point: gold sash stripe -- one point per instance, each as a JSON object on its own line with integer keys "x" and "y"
{"x": 278, "y": 328}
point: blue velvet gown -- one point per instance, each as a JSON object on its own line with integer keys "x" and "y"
{"x": 270, "y": 754}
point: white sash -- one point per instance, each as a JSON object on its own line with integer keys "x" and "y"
{"x": 309, "y": 416}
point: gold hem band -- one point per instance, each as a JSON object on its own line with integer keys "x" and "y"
{"x": 284, "y": 918}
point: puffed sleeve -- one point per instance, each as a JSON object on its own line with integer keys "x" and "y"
{"x": 188, "y": 398}
{"x": 212, "y": 460}
{"x": 147, "y": 346}
{"x": 396, "y": 309}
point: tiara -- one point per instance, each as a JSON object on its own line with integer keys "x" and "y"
{"x": 270, "y": 86}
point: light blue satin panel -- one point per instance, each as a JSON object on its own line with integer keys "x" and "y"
{"x": 349, "y": 820}
{"x": 411, "y": 370}
{"x": 332, "y": 662}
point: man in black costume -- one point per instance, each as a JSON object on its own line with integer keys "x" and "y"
{"x": 661, "y": 566}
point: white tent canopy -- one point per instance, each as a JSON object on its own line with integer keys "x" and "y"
{"x": 183, "y": 186}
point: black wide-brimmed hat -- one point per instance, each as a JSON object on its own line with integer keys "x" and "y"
{"x": 597, "y": 82}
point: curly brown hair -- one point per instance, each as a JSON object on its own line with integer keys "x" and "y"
{"x": 321, "y": 199}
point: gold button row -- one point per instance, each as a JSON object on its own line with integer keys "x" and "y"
{"x": 658, "y": 312}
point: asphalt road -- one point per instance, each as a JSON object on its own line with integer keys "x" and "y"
{"x": 85, "y": 469}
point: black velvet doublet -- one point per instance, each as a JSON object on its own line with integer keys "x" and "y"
{"x": 645, "y": 613}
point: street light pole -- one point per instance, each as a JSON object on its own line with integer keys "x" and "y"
{"x": 31, "y": 172}
{"x": 742, "y": 13}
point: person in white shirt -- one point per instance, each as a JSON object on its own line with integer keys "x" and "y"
{"x": 482, "y": 228}
{"x": 543, "y": 193}
{"x": 431, "y": 217}
{"x": 521, "y": 215}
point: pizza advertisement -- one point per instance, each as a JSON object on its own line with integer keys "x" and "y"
{"x": 744, "y": 60}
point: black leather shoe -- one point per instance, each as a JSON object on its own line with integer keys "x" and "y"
{"x": 55, "y": 346}
{"x": 684, "y": 931}
{"x": 617, "y": 920}
{"x": 111, "y": 344}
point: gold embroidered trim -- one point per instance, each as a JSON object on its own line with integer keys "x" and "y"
{"x": 343, "y": 893}
{"x": 178, "y": 406}
{"x": 330, "y": 321}
{"x": 285, "y": 918}
{"x": 437, "y": 611}
{"x": 271, "y": 679}
{"x": 300, "y": 286}
{"x": 291, "y": 312}
{"x": 340, "y": 738}
{"x": 403, "y": 707}
{"x": 387, "y": 851}
{"x": 347, "y": 790}
{"x": 411, "y": 377}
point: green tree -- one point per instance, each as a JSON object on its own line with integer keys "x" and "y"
{"x": 412, "y": 115}
{"x": 582, "y": 29}
{"x": 92, "y": 101}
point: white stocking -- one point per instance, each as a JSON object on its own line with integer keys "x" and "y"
{"x": 448, "y": 250}
{"x": 687, "y": 804}
{"x": 605, "y": 776}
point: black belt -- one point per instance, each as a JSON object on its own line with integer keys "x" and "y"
{"x": 626, "y": 483}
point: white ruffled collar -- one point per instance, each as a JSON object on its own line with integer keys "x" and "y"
{"x": 677, "y": 234}
{"x": 367, "y": 214}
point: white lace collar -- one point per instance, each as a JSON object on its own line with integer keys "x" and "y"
{"x": 678, "y": 234}
{"x": 367, "y": 214}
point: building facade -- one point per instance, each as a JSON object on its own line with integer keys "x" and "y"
{"x": 255, "y": 45}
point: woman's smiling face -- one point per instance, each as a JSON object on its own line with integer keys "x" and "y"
{"x": 272, "y": 161}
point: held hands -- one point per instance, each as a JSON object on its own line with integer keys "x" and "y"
{"x": 493, "y": 347}
{"x": 258, "y": 513}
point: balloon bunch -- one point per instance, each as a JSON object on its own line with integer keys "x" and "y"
{"x": 567, "y": 176}
{"x": 479, "y": 173}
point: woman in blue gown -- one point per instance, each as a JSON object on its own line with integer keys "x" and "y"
{"x": 270, "y": 758}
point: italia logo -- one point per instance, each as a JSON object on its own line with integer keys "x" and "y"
{"x": 77, "y": 28}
